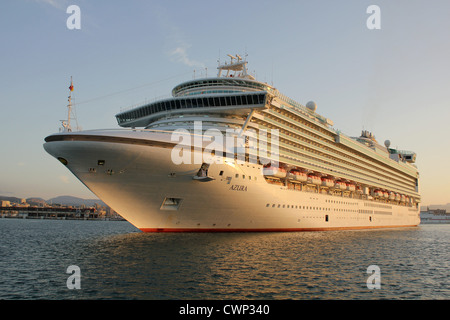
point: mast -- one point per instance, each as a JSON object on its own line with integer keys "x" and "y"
{"x": 238, "y": 68}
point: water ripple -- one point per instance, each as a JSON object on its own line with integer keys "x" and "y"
{"x": 118, "y": 262}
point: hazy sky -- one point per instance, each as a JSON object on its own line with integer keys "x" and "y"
{"x": 393, "y": 81}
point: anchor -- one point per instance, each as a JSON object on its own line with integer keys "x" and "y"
{"x": 202, "y": 174}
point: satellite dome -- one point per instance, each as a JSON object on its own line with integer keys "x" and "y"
{"x": 311, "y": 105}
{"x": 387, "y": 143}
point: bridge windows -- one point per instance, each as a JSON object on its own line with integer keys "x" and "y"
{"x": 247, "y": 99}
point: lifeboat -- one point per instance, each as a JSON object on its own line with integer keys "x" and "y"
{"x": 314, "y": 179}
{"x": 327, "y": 182}
{"x": 378, "y": 193}
{"x": 359, "y": 189}
{"x": 391, "y": 196}
{"x": 351, "y": 187}
{"x": 403, "y": 198}
{"x": 274, "y": 172}
{"x": 295, "y": 175}
{"x": 301, "y": 176}
{"x": 397, "y": 197}
{"x": 340, "y": 185}
{"x": 385, "y": 194}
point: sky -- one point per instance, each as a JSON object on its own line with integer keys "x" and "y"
{"x": 393, "y": 81}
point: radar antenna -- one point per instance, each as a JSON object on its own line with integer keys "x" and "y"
{"x": 237, "y": 68}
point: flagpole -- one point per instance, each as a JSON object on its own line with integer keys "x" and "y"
{"x": 69, "y": 107}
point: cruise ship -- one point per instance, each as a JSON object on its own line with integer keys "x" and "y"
{"x": 233, "y": 154}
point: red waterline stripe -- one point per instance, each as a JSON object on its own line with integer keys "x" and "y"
{"x": 267, "y": 229}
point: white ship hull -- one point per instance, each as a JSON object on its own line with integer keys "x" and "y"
{"x": 133, "y": 173}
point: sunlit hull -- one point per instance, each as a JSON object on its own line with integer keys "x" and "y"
{"x": 134, "y": 174}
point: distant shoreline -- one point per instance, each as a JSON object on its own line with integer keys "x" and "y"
{"x": 5, "y": 216}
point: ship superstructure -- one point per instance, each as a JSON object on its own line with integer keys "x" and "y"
{"x": 279, "y": 166}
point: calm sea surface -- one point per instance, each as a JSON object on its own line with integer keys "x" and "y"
{"x": 117, "y": 261}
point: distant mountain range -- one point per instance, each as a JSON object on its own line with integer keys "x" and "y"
{"x": 74, "y": 201}
{"x": 63, "y": 200}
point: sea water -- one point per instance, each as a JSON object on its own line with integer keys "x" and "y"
{"x": 117, "y": 261}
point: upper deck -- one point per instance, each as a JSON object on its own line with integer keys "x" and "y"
{"x": 232, "y": 91}
{"x": 228, "y": 100}
{"x": 218, "y": 85}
